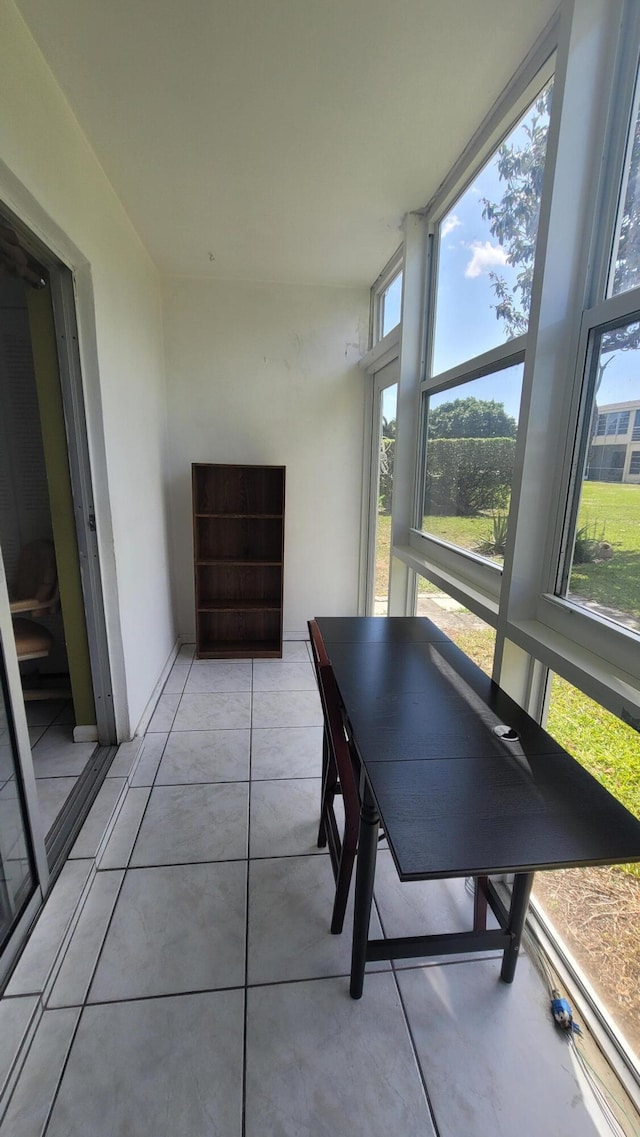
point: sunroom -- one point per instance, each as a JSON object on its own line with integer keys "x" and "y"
{"x": 394, "y": 250}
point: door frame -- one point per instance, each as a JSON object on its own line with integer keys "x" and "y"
{"x": 62, "y": 289}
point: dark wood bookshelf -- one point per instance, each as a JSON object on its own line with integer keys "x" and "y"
{"x": 238, "y": 530}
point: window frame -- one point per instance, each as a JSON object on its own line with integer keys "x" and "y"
{"x": 391, "y": 270}
{"x": 434, "y": 556}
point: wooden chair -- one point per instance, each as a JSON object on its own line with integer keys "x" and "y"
{"x": 339, "y": 777}
{"x": 34, "y": 591}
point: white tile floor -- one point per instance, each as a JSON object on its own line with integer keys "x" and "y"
{"x": 182, "y": 982}
{"x": 58, "y": 761}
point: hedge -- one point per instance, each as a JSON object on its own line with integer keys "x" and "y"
{"x": 468, "y": 475}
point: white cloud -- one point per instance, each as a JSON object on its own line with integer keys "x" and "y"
{"x": 483, "y": 257}
{"x": 449, "y": 224}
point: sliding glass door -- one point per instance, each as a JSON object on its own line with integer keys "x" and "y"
{"x": 22, "y": 859}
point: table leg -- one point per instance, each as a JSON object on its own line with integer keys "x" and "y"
{"x": 365, "y": 873}
{"x": 520, "y": 893}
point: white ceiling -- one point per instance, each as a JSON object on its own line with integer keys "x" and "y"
{"x": 283, "y": 138}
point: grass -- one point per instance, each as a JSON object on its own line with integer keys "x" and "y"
{"x": 615, "y": 583}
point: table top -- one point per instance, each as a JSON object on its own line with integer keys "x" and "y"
{"x": 455, "y": 797}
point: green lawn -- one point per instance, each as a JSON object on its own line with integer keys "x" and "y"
{"x": 615, "y": 509}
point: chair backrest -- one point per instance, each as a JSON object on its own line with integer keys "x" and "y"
{"x": 345, "y": 759}
{"x": 35, "y": 588}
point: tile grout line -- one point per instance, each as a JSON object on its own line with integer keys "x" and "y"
{"x": 421, "y": 1075}
{"x": 246, "y": 930}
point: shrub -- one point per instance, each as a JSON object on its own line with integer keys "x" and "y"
{"x": 468, "y": 475}
{"x": 588, "y": 543}
{"x": 495, "y": 543}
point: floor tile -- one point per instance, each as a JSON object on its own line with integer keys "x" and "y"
{"x": 42, "y": 712}
{"x": 205, "y": 756}
{"x": 66, "y": 715}
{"x": 39, "y": 955}
{"x": 56, "y": 755}
{"x": 15, "y": 1018}
{"x": 35, "y": 732}
{"x": 59, "y": 739}
{"x": 186, "y": 824}
{"x": 320, "y": 1063}
{"x": 295, "y": 651}
{"x": 283, "y": 676}
{"x": 73, "y": 979}
{"x": 98, "y": 818}
{"x": 164, "y": 714}
{"x": 287, "y": 752}
{"x": 176, "y": 928}
{"x": 119, "y": 847}
{"x": 290, "y": 905}
{"x": 176, "y": 679}
{"x": 230, "y": 710}
{"x": 150, "y": 758}
{"x": 186, "y": 652}
{"x": 36, "y": 1088}
{"x": 170, "y": 1066}
{"x": 491, "y": 1055}
{"x": 420, "y": 908}
{"x": 280, "y": 708}
{"x": 218, "y": 675}
{"x": 52, "y": 794}
{"x": 284, "y": 818}
{"x": 125, "y": 758}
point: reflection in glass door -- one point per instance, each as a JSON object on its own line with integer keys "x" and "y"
{"x": 17, "y": 877}
{"x": 384, "y": 442}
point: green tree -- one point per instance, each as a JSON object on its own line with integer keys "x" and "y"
{"x": 514, "y": 219}
{"x": 387, "y": 459}
{"x": 471, "y": 418}
{"x": 514, "y": 222}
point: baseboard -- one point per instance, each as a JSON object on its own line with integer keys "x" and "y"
{"x": 85, "y": 733}
{"x": 157, "y": 690}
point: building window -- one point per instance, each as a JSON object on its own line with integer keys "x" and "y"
{"x": 634, "y": 464}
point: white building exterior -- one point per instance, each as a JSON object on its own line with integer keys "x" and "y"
{"x": 614, "y": 455}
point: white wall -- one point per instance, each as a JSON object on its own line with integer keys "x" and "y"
{"x": 50, "y": 177}
{"x": 266, "y": 373}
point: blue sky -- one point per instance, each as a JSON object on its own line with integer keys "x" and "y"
{"x": 466, "y": 324}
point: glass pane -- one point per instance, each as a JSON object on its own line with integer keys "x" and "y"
{"x": 626, "y": 254}
{"x": 471, "y": 634}
{"x": 596, "y": 911}
{"x": 471, "y": 440}
{"x": 605, "y": 569}
{"x": 487, "y": 247}
{"x": 390, "y": 306}
{"x": 387, "y": 449}
{"x": 16, "y": 876}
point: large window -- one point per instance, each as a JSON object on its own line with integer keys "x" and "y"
{"x": 486, "y": 244}
{"x": 601, "y": 570}
{"x": 521, "y": 406}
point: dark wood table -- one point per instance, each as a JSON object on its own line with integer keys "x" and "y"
{"x": 463, "y": 781}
